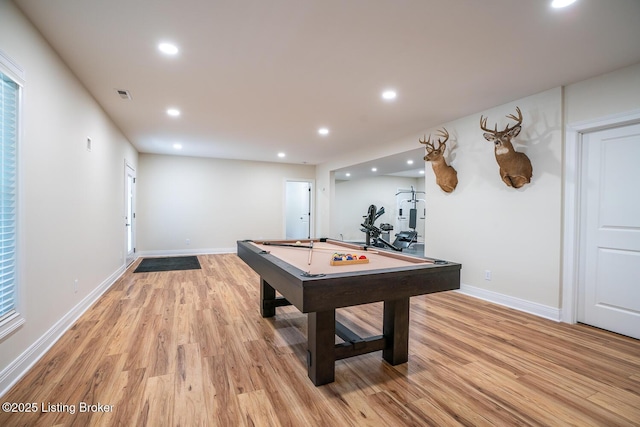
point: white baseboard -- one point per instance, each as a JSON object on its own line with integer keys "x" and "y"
{"x": 534, "y": 308}
{"x": 19, "y": 367}
{"x": 178, "y": 252}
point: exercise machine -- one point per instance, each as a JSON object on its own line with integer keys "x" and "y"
{"x": 404, "y": 239}
{"x": 373, "y": 233}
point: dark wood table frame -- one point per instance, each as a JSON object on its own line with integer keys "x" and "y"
{"x": 320, "y": 296}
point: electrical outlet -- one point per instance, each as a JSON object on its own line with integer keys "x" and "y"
{"x": 487, "y": 275}
{"x": 75, "y": 286}
{"x": 188, "y": 242}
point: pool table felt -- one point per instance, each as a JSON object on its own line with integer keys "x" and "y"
{"x": 323, "y": 253}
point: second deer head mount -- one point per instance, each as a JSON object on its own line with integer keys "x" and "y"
{"x": 446, "y": 176}
{"x": 515, "y": 167}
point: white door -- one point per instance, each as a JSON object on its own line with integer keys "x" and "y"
{"x": 609, "y": 289}
{"x": 298, "y": 210}
{"x": 130, "y": 212}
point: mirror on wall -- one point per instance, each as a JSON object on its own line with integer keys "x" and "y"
{"x": 395, "y": 183}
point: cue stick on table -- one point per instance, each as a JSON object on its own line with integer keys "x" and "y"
{"x": 284, "y": 244}
{"x": 364, "y": 251}
{"x": 319, "y": 249}
{"x": 310, "y": 252}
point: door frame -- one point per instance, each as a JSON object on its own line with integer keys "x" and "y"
{"x": 311, "y": 203}
{"x": 128, "y": 261}
{"x": 572, "y": 203}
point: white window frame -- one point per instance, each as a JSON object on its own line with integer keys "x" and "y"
{"x": 8, "y": 325}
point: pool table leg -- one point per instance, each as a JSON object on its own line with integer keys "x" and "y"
{"x": 267, "y": 293}
{"x": 396, "y": 331}
{"x": 321, "y": 356}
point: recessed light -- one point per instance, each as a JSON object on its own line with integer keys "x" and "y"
{"x": 168, "y": 48}
{"x": 177, "y": 146}
{"x": 173, "y": 112}
{"x": 323, "y": 131}
{"x": 281, "y": 155}
{"x": 409, "y": 162}
{"x": 561, "y": 3}
{"x": 389, "y": 95}
{"x": 347, "y": 174}
{"x": 374, "y": 169}
{"x": 421, "y": 172}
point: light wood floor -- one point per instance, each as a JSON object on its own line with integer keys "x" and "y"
{"x": 190, "y": 348}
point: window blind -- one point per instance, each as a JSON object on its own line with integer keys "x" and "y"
{"x": 9, "y": 94}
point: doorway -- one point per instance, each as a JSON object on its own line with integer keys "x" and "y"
{"x": 298, "y": 207}
{"x": 130, "y": 213}
{"x": 601, "y": 260}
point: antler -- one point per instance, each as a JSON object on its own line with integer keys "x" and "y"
{"x": 431, "y": 146}
{"x": 427, "y": 142}
{"x": 517, "y": 119}
{"x": 443, "y": 133}
{"x": 483, "y": 123}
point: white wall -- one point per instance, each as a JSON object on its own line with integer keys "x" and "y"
{"x": 485, "y": 225}
{"x": 72, "y": 200}
{"x": 353, "y": 198}
{"x": 212, "y": 202}
{"x": 609, "y": 94}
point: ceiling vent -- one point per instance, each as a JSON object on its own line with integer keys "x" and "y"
{"x": 124, "y": 94}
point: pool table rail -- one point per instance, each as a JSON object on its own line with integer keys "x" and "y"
{"x": 320, "y": 295}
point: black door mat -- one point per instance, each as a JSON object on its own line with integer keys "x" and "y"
{"x": 149, "y": 265}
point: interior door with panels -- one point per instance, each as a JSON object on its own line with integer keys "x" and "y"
{"x": 609, "y": 289}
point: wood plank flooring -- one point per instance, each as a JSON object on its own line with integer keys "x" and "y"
{"x": 189, "y": 348}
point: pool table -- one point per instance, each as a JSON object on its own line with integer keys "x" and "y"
{"x": 301, "y": 272}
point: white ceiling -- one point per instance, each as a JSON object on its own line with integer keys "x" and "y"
{"x": 258, "y": 77}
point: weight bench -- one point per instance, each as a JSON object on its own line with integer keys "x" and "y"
{"x": 404, "y": 239}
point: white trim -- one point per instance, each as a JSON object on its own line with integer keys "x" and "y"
{"x": 129, "y": 166}
{"x": 571, "y": 203}
{"x": 519, "y": 304}
{"x": 178, "y": 252}
{"x": 11, "y": 68}
{"x": 21, "y": 365}
{"x": 10, "y": 325}
{"x": 570, "y": 230}
{"x": 606, "y": 122}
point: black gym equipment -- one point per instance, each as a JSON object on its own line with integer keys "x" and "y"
{"x": 373, "y": 233}
{"x": 404, "y": 239}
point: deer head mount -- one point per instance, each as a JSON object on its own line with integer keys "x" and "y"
{"x": 446, "y": 176}
{"x": 515, "y": 167}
